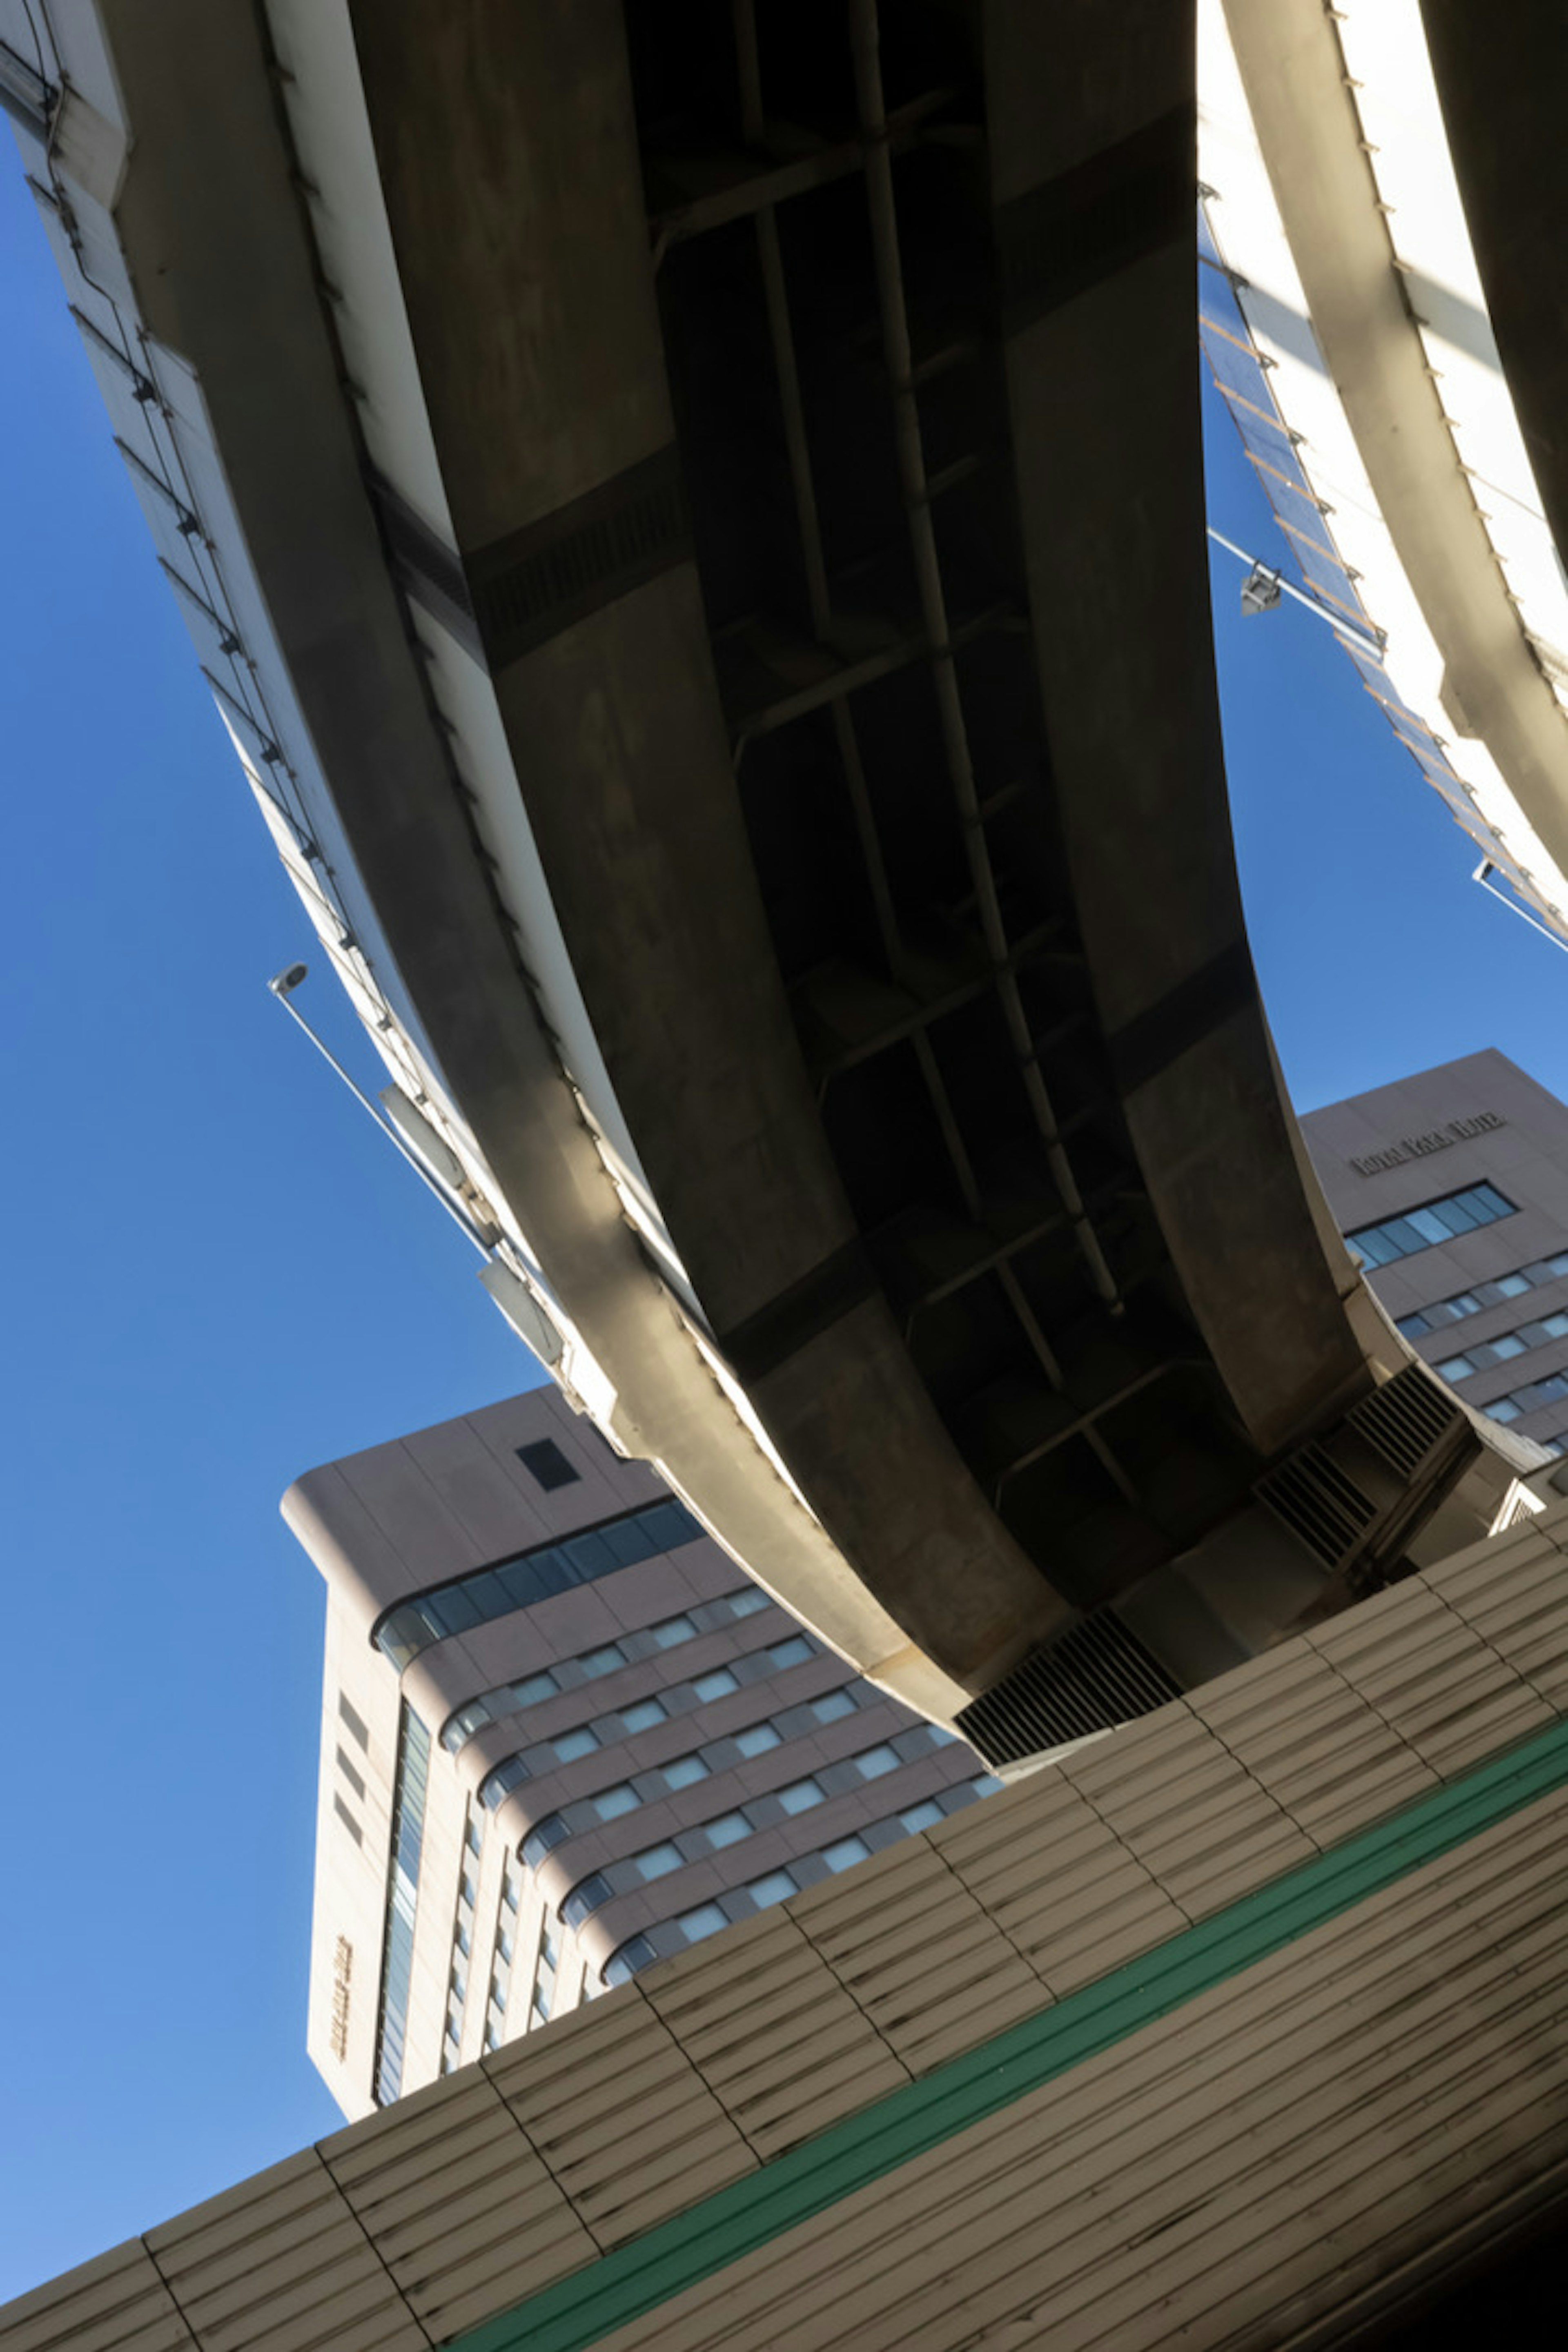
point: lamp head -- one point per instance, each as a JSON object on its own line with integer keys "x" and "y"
{"x": 283, "y": 983}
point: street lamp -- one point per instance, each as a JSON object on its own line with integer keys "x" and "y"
{"x": 282, "y": 985}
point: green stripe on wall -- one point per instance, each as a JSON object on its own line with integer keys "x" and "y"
{"x": 621, "y": 2286}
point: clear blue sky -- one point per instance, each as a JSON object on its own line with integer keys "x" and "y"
{"x": 216, "y": 1275}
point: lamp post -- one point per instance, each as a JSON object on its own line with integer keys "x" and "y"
{"x": 282, "y": 985}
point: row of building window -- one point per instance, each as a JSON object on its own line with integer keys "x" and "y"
{"x": 1484, "y": 1353}
{"x": 530, "y": 1577}
{"x": 1532, "y": 1398}
{"x": 411, "y": 1782}
{"x": 778, "y": 1885}
{"x": 752, "y": 1739}
{"x": 797, "y": 1796}
{"x": 1482, "y": 1295}
{"x": 656, "y": 1862}
{"x": 1440, "y": 1221}
{"x": 566, "y": 1674}
{"x": 463, "y": 1930}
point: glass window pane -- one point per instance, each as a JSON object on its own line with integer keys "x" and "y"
{"x": 590, "y": 1556}
{"x": 1511, "y": 1286}
{"x": 777, "y": 1886}
{"x": 685, "y": 1770}
{"x": 921, "y": 1816}
{"x": 706, "y": 1920}
{"x": 611, "y": 1803}
{"x": 718, "y": 1685}
{"x": 847, "y": 1851}
{"x": 488, "y": 1596}
{"x": 658, "y": 1861}
{"x": 875, "y": 1761}
{"x": 521, "y": 1582}
{"x": 602, "y": 1662}
{"x": 1511, "y": 1344}
{"x": 451, "y": 1610}
{"x": 643, "y": 1715}
{"x": 799, "y": 1797}
{"x": 1411, "y": 1326}
{"x": 1435, "y": 1224}
{"x": 792, "y": 1653}
{"x": 1455, "y": 1367}
{"x": 832, "y": 1706}
{"x": 757, "y": 1740}
{"x": 672, "y": 1631}
{"x": 727, "y": 1830}
{"x": 1555, "y": 1327}
{"x": 569, "y": 1745}
{"x": 533, "y": 1688}
{"x": 585, "y": 1898}
{"x": 747, "y": 1603}
{"x": 1501, "y": 1408}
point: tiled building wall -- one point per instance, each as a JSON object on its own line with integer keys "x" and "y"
{"x": 1248, "y": 2163}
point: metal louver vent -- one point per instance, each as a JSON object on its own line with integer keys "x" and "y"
{"x": 1320, "y": 1504}
{"x": 1092, "y": 1676}
{"x": 1405, "y": 1418}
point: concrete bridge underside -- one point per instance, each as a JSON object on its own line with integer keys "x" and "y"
{"x": 815, "y": 406}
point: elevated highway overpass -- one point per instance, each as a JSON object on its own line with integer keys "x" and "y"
{"x": 694, "y": 521}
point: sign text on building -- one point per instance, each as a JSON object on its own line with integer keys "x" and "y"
{"x": 1418, "y": 1146}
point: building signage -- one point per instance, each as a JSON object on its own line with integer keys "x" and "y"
{"x": 343, "y": 1977}
{"x": 1419, "y": 1146}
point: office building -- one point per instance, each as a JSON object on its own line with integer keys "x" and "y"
{"x": 561, "y": 1736}
{"x": 1452, "y": 1189}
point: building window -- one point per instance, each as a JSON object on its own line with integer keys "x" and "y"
{"x": 872, "y": 1762}
{"x": 1438, "y": 1220}
{"x": 589, "y": 1895}
{"x": 923, "y": 1816}
{"x": 569, "y": 1745}
{"x": 746, "y": 1603}
{"x": 658, "y": 1861}
{"x": 729, "y": 1829}
{"x": 537, "y": 1574}
{"x": 683, "y": 1771}
{"x": 706, "y": 1920}
{"x": 545, "y": 1460}
{"x": 718, "y": 1685}
{"x": 833, "y": 1705}
{"x": 845, "y": 1853}
{"x": 671, "y": 1631}
{"x": 611, "y": 1803}
{"x": 530, "y": 1690}
{"x": 635, "y": 1953}
{"x": 757, "y": 1738}
{"x": 792, "y": 1653}
{"x": 799, "y": 1797}
{"x": 776, "y": 1886}
{"x": 410, "y": 1783}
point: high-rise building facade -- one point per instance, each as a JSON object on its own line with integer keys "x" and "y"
{"x": 1452, "y": 1189}
{"x": 562, "y": 1736}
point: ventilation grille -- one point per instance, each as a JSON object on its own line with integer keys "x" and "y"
{"x": 1093, "y": 1676}
{"x": 1405, "y": 1419}
{"x": 1321, "y": 1506}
